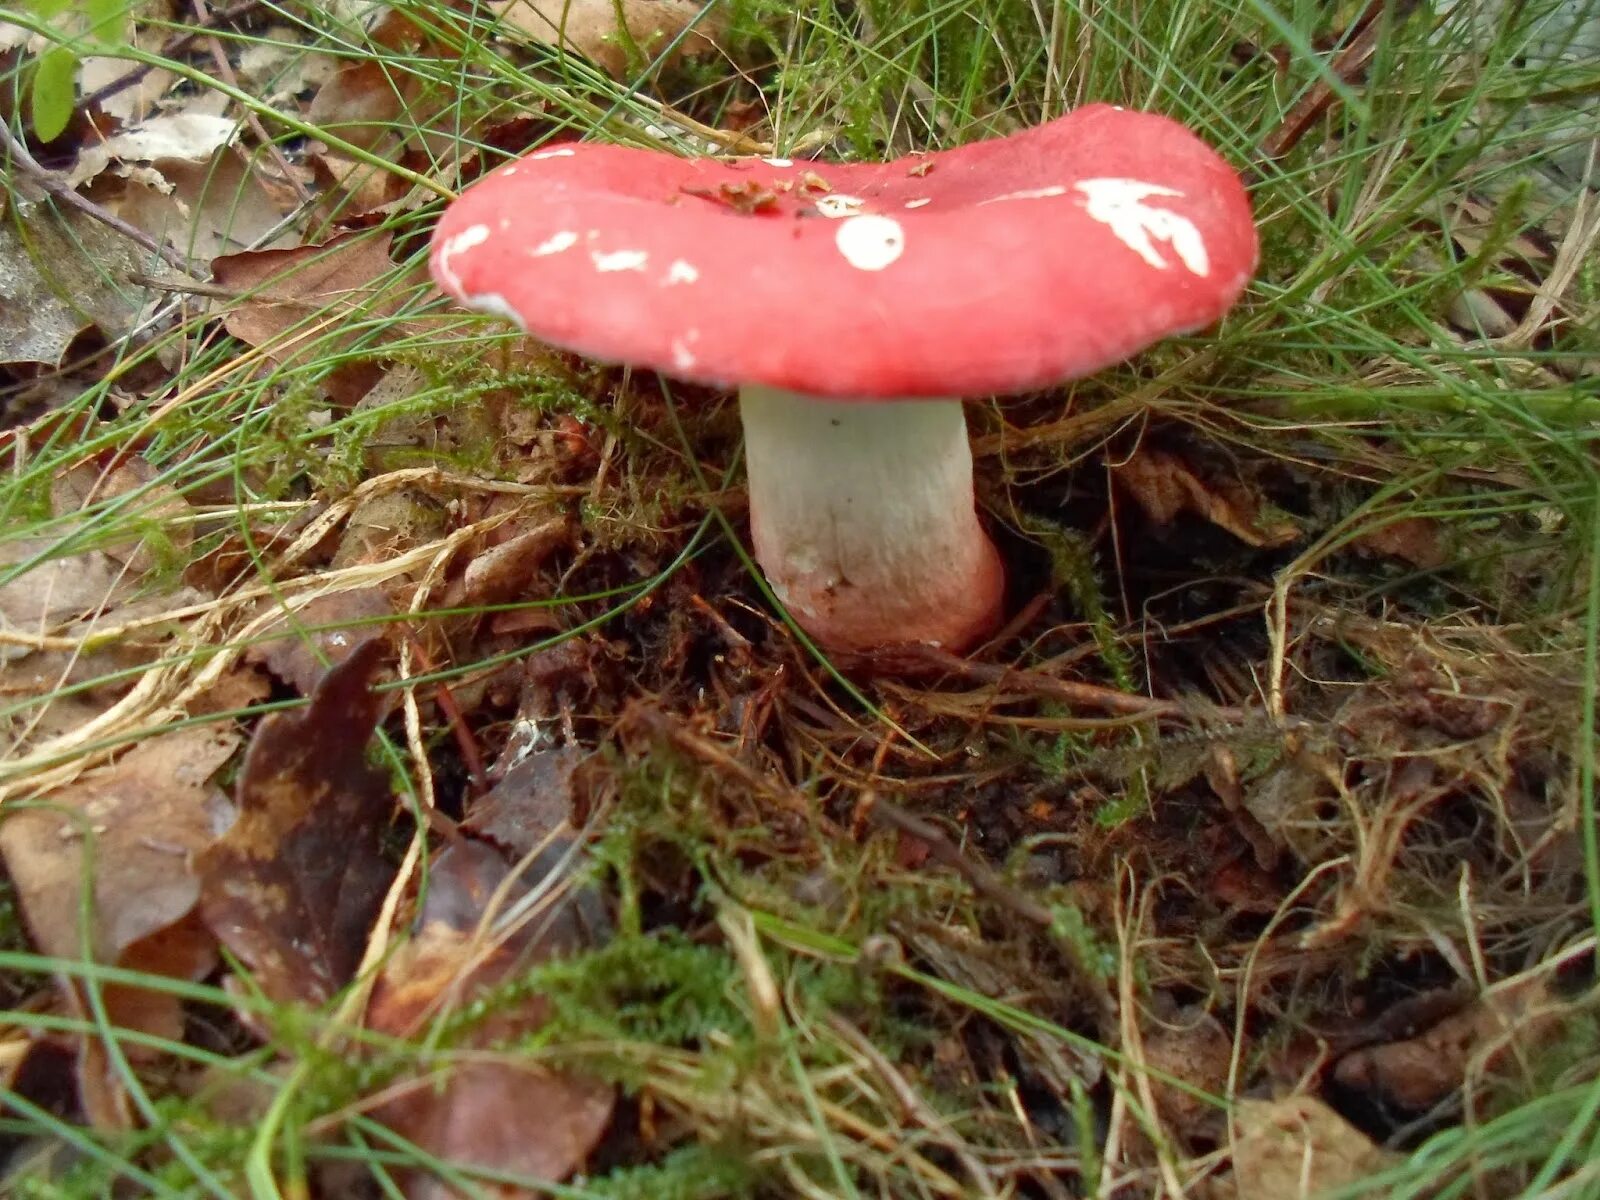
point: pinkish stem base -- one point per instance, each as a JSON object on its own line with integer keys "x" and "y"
{"x": 864, "y": 522}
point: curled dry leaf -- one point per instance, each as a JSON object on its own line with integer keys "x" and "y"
{"x": 501, "y": 1113}
{"x": 293, "y": 888}
{"x": 621, "y": 36}
{"x": 130, "y": 831}
{"x": 1419, "y": 1072}
{"x": 1164, "y": 486}
{"x": 139, "y": 152}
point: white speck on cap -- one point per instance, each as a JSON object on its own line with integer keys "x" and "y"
{"x": 619, "y": 260}
{"x": 840, "y": 205}
{"x": 1040, "y": 193}
{"x": 778, "y": 162}
{"x": 562, "y": 239}
{"x": 680, "y": 271}
{"x": 558, "y": 152}
{"x": 682, "y": 357}
{"x": 472, "y": 235}
{"x": 870, "y": 242}
{"x": 1119, "y": 204}
{"x": 919, "y": 202}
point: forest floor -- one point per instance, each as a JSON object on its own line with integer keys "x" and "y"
{"x": 410, "y": 788}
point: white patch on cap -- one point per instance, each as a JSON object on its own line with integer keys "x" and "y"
{"x": 498, "y": 305}
{"x": 472, "y": 235}
{"x": 508, "y": 172}
{"x": 919, "y": 202}
{"x": 778, "y": 162}
{"x": 619, "y": 260}
{"x": 840, "y": 205}
{"x": 683, "y": 358}
{"x": 562, "y": 239}
{"x": 1119, "y": 204}
{"x": 1043, "y": 193}
{"x": 870, "y": 242}
{"x": 680, "y": 272}
{"x": 558, "y": 152}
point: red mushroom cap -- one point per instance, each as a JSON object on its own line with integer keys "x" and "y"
{"x": 999, "y": 266}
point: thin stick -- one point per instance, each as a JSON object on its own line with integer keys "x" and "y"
{"x": 58, "y": 190}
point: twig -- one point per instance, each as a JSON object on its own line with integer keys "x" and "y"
{"x": 225, "y": 69}
{"x": 171, "y": 49}
{"x": 1080, "y": 695}
{"x": 58, "y": 190}
{"x": 1347, "y": 65}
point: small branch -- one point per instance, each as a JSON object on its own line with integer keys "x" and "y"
{"x": 1079, "y": 695}
{"x": 1348, "y": 66}
{"x": 171, "y": 49}
{"x": 59, "y": 191}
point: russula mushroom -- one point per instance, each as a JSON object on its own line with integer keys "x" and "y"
{"x": 853, "y": 306}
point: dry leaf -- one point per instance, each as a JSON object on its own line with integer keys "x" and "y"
{"x": 90, "y": 587}
{"x": 1195, "y": 1048}
{"x": 1164, "y": 486}
{"x": 293, "y": 888}
{"x": 133, "y": 829}
{"x": 504, "y": 572}
{"x": 1417, "y": 540}
{"x": 181, "y": 137}
{"x": 60, "y": 274}
{"x": 54, "y": 590}
{"x": 532, "y": 802}
{"x": 313, "y": 301}
{"x": 201, "y": 209}
{"x": 503, "y": 1114}
{"x": 1417, "y": 1073}
{"x": 1298, "y": 1147}
{"x": 300, "y": 651}
{"x": 591, "y": 28}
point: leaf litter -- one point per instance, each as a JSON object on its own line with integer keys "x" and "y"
{"x": 1327, "y": 857}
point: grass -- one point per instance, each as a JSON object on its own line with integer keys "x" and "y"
{"x": 788, "y": 1005}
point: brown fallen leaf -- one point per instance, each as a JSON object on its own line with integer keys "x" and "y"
{"x": 1417, "y": 540}
{"x": 293, "y": 887}
{"x": 1164, "y": 486}
{"x": 529, "y": 805}
{"x": 618, "y": 35}
{"x": 1297, "y": 1147}
{"x": 60, "y": 274}
{"x": 1419, "y": 1072}
{"x": 202, "y": 209}
{"x": 314, "y": 300}
{"x": 1194, "y": 1047}
{"x": 504, "y": 572}
{"x": 132, "y": 829}
{"x": 479, "y": 1115}
{"x": 300, "y": 651}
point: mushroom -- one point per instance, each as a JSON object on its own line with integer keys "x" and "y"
{"x": 853, "y": 306}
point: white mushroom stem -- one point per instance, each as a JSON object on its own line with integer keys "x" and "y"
{"x": 864, "y": 521}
